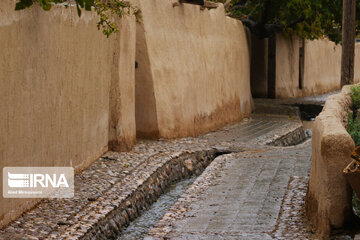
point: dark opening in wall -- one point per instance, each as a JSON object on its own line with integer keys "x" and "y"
{"x": 301, "y": 63}
{"x": 196, "y": 2}
{"x": 272, "y": 67}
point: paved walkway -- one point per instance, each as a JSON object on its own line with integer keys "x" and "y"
{"x": 245, "y": 201}
{"x": 112, "y": 178}
{"x": 257, "y": 194}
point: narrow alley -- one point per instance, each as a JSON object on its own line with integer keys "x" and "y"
{"x": 251, "y": 190}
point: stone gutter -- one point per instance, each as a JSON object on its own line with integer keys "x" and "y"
{"x": 179, "y": 209}
{"x": 290, "y": 137}
{"x": 124, "y": 203}
{"x": 119, "y": 186}
{"x": 115, "y": 190}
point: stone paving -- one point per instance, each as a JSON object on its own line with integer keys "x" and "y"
{"x": 107, "y": 184}
{"x": 257, "y": 194}
{"x": 292, "y": 223}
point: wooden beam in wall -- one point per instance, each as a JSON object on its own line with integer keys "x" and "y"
{"x": 204, "y": 3}
{"x": 196, "y": 2}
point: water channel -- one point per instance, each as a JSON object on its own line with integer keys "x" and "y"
{"x": 138, "y": 228}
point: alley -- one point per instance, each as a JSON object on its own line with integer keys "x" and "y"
{"x": 257, "y": 194}
{"x": 181, "y": 119}
{"x": 255, "y": 169}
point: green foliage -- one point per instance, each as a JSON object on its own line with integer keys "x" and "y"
{"x": 356, "y": 204}
{"x": 314, "y": 18}
{"x": 106, "y": 9}
{"x": 355, "y": 96}
{"x": 354, "y": 128}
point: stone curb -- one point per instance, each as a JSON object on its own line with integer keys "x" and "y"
{"x": 118, "y": 186}
{"x": 290, "y": 138}
{"x": 104, "y": 218}
{"x": 179, "y": 209}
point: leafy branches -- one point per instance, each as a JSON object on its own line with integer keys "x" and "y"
{"x": 310, "y": 19}
{"x": 355, "y": 96}
{"x": 107, "y": 10}
{"x": 353, "y": 127}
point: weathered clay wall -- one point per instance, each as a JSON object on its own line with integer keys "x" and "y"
{"x": 287, "y": 67}
{"x": 328, "y": 201}
{"x": 194, "y": 70}
{"x": 56, "y": 71}
{"x": 322, "y": 67}
{"x": 357, "y": 63}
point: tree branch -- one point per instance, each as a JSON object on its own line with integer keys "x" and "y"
{"x": 227, "y": 4}
{"x": 239, "y": 5}
{"x": 293, "y": 24}
{"x": 265, "y": 13}
{"x": 263, "y": 30}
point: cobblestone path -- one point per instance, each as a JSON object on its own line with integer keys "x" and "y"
{"x": 111, "y": 178}
{"x": 258, "y": 194}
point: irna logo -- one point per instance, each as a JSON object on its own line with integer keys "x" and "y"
{"x": 38, "y": 182}
{"x": 16, "y": 180}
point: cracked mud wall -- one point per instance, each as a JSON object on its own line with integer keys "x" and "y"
{"x": 196, "y": 64}
{"x": 56, "y": 71}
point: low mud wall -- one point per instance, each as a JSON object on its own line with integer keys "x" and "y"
{"x": 56, "y": 72}
{"x": 328, "y": 201}
{"x": 193, "y": 72}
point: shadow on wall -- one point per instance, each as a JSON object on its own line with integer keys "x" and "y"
{"x": 145, "y": 112}
{"x": 193, "y": 72}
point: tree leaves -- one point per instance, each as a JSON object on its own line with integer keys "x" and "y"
{"x": 22, "y": 4}
{"x": 45, "y": 4}
{"x": 88, "y": 4}
{"x": 322, "y": 18}
{"x": 107, "y": 10}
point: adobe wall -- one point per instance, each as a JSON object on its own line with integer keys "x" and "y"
{"x": 328, "y": 201}
{"x": 287, "y": 67}
{"x": 357, "y": 63}
{"x": 322, "y": 67}
{"x": 193, "y": 72}
{"x": 56, "y": 72}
